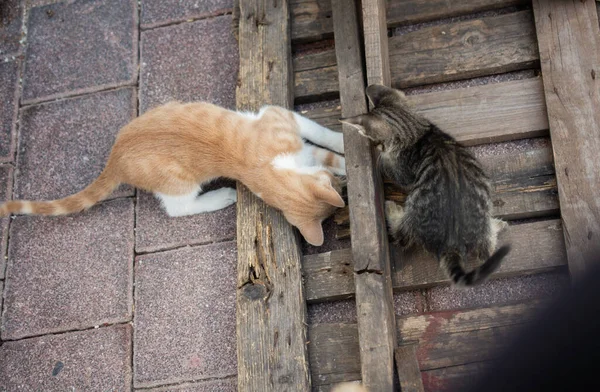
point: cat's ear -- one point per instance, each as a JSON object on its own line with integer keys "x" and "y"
{"x": 326, "y": 192}
{"x": 312, "y": 232}
{"x": 376, "y": 92}
{"x": 356, "y": 122}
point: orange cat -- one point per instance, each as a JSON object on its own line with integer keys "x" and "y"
{"x": 173, "y": 149}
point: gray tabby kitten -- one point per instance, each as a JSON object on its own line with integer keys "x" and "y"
{"x": 448, "y": 209}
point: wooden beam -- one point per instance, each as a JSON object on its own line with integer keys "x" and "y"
{"x": 523, "y": 186}
{"x": 454, "y": 378}
{"x": 376, "y": 42}
{"x": 328, "y": 277}
{"x": 408, "y": 368}
{"x": 569, "y": 41}
{"x": 311, "y": 19}
{"x": 374, "y": 302}
{"x": 445, "y": 339}
{"x": 271, "y": 310}
{"x": 442, "y": 53}
{"x": 490, "y": 113}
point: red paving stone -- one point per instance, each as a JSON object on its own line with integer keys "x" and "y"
{"x": 161, "y": 12}
{"x": 228, "y": 385}
{"x": 11, "y": 21}
{"x": 81, "y": 46}
{"x": 185, "y": 315}
{"x": 92, "y": 360}
{"x": 498, "y": 291}
{"x": 9, "y": 75}
{"x": 63, "y": 145}
{"x": 155, "y": 230}
{"x": 195, "y": 61}
{"x": 69, "y": 272}
{"x": 6, "y": 173}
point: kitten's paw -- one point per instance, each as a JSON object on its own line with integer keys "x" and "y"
{"x": 393, "y": 214}
{"x": 499, "y": 225}
{"x": 227, "y": 195}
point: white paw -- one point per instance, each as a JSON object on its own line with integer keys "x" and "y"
{"x": 227, "y": 195}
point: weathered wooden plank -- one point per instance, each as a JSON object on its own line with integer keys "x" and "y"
{"x": 477, "y": 115}
{"x": 409, "y": 373}
{"x": 375, "y": 35}
{"x": 374, "y": 301}
{"x": 523, "y": 186}
{"x": 445, "y": 339}
{"x": 569, "y": 40}
{"x": 452, "y": 51}
{"x": 311, "y": 19}
{"x": 327, "y": 277}
{"x": 271, "y": 310}
{"x": 454, "y": 378}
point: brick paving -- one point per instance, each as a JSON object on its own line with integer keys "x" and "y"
{"x": 122, "y": 297}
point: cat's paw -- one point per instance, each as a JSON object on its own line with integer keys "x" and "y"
{"x": 393, "y": 214}
{"x": 227, "y": 195}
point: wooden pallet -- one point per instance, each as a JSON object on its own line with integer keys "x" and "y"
{"x": 550, "y": 189}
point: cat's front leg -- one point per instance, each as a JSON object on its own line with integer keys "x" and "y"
{"x": 320, "y": 135}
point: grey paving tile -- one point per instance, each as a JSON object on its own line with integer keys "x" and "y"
{"x": 185, "y": 315}
{"x": 161, "y": 12}
{"x": 6, "y": 173}
{"x": 9, "y": 75}
{"x": 71, "y": 272}
{"x": 92, "y": 360}
{"x": 80, "y": 46}
{"x": 63, "y": 145}
{"x": 227, "y": 385}
{"x": 195, "y": 61}
{"x": 498, "y": 292}
{"x": 11, "y": 21}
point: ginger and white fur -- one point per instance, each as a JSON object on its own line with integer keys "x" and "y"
{"x": 175, "y": 148}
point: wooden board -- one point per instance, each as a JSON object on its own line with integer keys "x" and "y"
{"x": 327, "y": 275}
{"x": 374, "y": 302}
{"x": 407, "y": 365}
{"x": 477, "y": 115}
{"x": 454, "y": 378}
{"x": 452, "y": 51}
{"x": 311, "y": 19}
{"x": 569, "y": 41}
{"x": 271, "y": 310}
{"x": 523, "y": 186}
{"x": 445, "y": 339}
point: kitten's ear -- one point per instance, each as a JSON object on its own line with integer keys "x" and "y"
{"x": 329, "y": 195}
{"x": 312, "y": 233}
{"x": 356, "y": 122}
{"x": 376, "y": 92}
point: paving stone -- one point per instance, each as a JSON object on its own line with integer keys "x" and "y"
{"x": 185, "y": 315}
{"x": 227, "y": 385}
{"x": 189, "y": 62}
{"x": 11, "y": 20}
{"x": 92, "y": 360}
{"x": 80, "y": 46}
{"x": 161, "y": 12}
{"x": 343, "y": 311}
{"x": 498, "y": 292}
{"x": 70, "y": 272}
{"x": 63, "y": 145}
{"x": 6, "y": 173}
{"x": 155, "y": 230}
{"x": 9, "y": 74}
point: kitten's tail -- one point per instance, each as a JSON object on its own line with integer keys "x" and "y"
{"x": 98, "y": 190}
{"x": 451, "y": 262}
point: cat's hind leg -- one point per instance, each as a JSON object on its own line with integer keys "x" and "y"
{"x": 192, "y": 203}
{"x": 320, "y": 135}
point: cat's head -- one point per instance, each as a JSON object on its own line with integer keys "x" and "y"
{"x": 311, "y": 199}
{"x": 380, "y": 124}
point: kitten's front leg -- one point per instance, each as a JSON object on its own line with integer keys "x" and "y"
{"x": 332, "y": 161}
{"x": 320, "y": 135}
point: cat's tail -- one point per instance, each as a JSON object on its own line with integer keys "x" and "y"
{"x": 98, "y": 190}
{"x": 451, "y": 262}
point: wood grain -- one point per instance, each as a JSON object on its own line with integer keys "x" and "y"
{"x": 454, "y": 378}
{"x": 408, "y": 368}
{"x": 327, "y": 277}
{"x": 271, "y": 310}
{"x": 374, "y": 302}
{"x": 445, "y": 339}
{"x": 311, "y": 19}
{"x": 490, "y": 113}
{"x": 569, "y": 40}
{"x": 447, "y": 52}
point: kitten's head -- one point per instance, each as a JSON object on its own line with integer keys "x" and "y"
{"x": 312, "y": 199}
{"x": 381, "y": 125}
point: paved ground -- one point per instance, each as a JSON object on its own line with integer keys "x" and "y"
{"x": 122, "y": 297}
